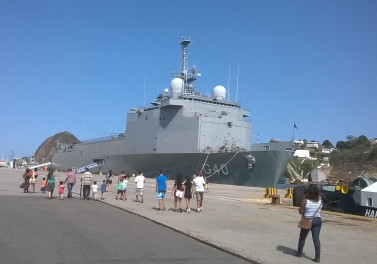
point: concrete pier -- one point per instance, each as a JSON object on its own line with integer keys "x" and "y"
{"x": 238, "y": 220}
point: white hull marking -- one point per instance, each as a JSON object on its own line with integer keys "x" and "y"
{"x": 370, "y": 213}
{"x": 222, "y": 169}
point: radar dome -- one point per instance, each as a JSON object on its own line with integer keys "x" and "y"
{"x": 219, "y": 92}
{"x": 176, "y": 85}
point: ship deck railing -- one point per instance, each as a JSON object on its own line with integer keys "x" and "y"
{"x": 102, "y": 139}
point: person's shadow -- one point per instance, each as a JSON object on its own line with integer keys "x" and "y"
{"x": 289, "y": 251}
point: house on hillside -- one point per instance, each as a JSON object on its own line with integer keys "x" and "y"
{"x": 328, "y": 150}
{"x": 312, "y": 144}
{"x": 299, "y": 142}
{"x": 302, "y": 153}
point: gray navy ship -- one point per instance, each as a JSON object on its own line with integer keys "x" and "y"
{"x": 183, "y": 132}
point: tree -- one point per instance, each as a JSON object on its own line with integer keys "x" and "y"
{"x": 363, "y": 140}
{"x": 327, "y": 144}
{"x": 341, "y": 145}
{"x": 354, "y": 142}
{"x": 350, "y": 137}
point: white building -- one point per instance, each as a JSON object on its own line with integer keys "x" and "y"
{"x": 318, "y": 175}
{"x": 302, "y": 153}
{"x": 312, "y": 144}
{"x": 328, "y": 150}
{"x": 300, "y": 142}
{"x": 3, "y": 163}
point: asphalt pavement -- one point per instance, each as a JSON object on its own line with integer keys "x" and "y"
{"x": 36, "y": 230}
{"x": 238, "y": 220}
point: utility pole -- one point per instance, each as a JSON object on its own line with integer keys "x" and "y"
{"x": 12, "y": 159}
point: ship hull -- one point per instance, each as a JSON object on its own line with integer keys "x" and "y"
{"x": 264, "y": 170}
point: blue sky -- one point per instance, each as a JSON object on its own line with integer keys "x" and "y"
{"x": 80, "y": 65}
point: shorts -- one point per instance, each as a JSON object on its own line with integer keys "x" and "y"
{"x": 139, "y": 191}
{"x": 161, "y": 195}
{"x": 199, "y": 196}
{"x": 120, "y": 191}
{"x": 109, "y": 181}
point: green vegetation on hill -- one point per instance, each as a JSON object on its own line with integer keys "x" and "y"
{"x": 354, "y": 156}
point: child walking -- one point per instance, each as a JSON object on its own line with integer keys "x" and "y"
{"x": 61, "y": 190}
{"x": 124, "y": 187}
{"x": 206, "y": 186}
{"x": 119, "y": 190}
{"x": 94, "y": 190}
{"x": 43, "y": 185}
{"x": 103, "y": 189}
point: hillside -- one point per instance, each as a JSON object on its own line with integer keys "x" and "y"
{"x": 47, "y": 148}
{"x": 352, "y": 170}
{"x": 354, "y": 157}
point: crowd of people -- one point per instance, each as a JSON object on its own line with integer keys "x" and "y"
{"x": 187, "y": 189}
{"x": 183, "y": 190}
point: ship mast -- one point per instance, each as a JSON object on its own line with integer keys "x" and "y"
{"x": 187, "y": 75}
{"x": 184, "y": 44}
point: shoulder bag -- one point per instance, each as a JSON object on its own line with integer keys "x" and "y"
{"x": 306, "y": 223}
{"x": 179, "y": 193}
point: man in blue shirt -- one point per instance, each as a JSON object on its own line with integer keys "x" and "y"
{"x": 161, "y": 186}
